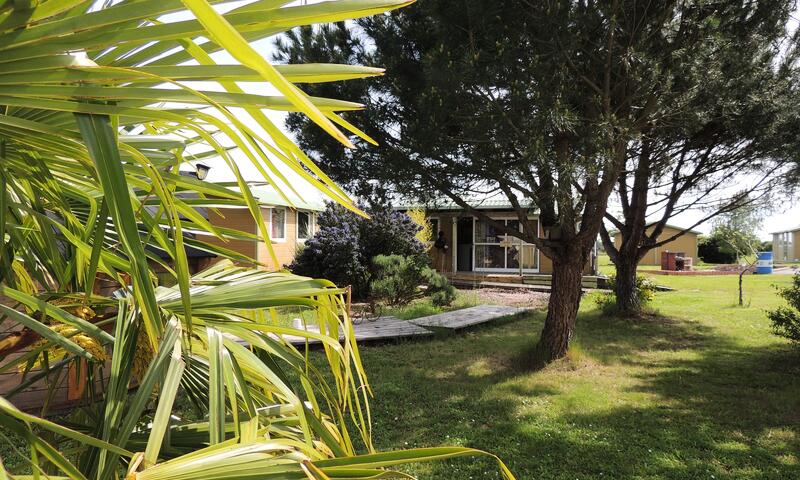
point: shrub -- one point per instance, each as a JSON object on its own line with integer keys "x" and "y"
{"x": 786, "y": 320}
{"x": 343, "y": 248}
{"x": 333, "y": 254}
{"x": 441, "y": 292}
{"x": 714, "y": 249}
{"x": 397, "y": 279}
{"x": 645, "y": 291}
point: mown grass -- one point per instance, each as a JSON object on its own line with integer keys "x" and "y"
{"x": 700, "y": 389}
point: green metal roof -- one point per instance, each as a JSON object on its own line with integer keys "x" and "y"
{"x": 696, "y": 232}
{"x": 270, "y": 197}
{"x": 497, "y": 202}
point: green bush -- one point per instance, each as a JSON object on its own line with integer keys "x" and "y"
{"x": 645, "y": 291}
{"x": 398, "y": 279}
{"x": 786, "y": 320}
{"x": 441, "y": 292}
{"x": 713, "y": 249}
{"x": 343, "y": 248}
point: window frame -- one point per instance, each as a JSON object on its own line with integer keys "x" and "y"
{"x": 516, "y": 241}
{"x": 310, "y": 215}
{"x": 271, "y": 226}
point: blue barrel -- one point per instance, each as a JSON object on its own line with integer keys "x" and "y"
{"x": 764, "y": 264}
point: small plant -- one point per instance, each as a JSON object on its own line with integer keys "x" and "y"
{"x": 645, "y": 292}
{"x": 442, "y": 293}
{"x": 786, "y": 320}
{"x": 397, "y": 279}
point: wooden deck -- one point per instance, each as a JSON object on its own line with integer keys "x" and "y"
{"x": 466, "y": 317}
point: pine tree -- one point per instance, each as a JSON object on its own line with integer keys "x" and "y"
{"x": 541, "y": 102}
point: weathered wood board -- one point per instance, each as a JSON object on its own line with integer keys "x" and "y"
{"x": 467, "y": 317}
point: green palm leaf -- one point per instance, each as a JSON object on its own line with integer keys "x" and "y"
{"x": 97, "y": 114}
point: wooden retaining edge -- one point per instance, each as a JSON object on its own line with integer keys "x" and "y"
{"x": 516, "y": 286}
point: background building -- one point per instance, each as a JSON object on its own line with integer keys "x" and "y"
{"x": 686, "y": 243}
{"x": 786, "y": 245}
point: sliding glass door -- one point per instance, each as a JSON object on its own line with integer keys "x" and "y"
{"x": 497, "y": 252}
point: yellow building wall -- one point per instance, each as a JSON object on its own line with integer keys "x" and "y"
{"x": 794, "y": 248}
{"x": 237, "y": 219}
{"x": 284, "y": 249}
{"x": 686, "y": 243}
{"x": 792, "y": 252}
{"x": 241, "y": 219}
{"x": 796, "y": 245}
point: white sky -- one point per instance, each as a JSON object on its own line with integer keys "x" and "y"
{"x": 786, "y": 216}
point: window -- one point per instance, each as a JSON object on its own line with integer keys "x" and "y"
{"x": 496, "y": 251}
{"x": 304, "y": 225}
{"x": 278, "y": 223}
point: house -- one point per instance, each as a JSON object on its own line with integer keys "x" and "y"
{"x": 290, "y": 224}
{"x": 476, "y": 247}
{"x": 786, "y": 245}
{"x": 686, "y": 243}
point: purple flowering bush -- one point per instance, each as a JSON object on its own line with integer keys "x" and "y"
{"x": 343, "y": 249}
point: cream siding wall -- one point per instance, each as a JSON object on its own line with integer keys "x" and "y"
{"x": 443, "y": 261}
{"x": 284, "y": 248}
{"x": 686, "y": 243}
{"x": 241, "y": 219}
{"x": 783, "y": 252}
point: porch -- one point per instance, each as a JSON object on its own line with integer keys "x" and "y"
{"x": 477, "y": 251}
{"x": 530, "y": 281}
{"x": 475, "y": 246}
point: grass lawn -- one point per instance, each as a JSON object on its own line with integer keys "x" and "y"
{"x": 703, "y": 391}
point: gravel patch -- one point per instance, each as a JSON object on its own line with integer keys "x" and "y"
{"x": 511, "y": 298}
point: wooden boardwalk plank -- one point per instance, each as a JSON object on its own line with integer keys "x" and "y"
{"x": 467, "y": 317}
{"x": 386, "y": 328}
{"x": 383, "y": 328}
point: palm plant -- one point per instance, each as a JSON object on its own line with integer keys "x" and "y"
{"x": 97, "y": 114}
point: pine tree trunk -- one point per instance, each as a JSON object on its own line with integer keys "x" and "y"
{"x": 562, "y": 310}
{"x": 625, "y": 292}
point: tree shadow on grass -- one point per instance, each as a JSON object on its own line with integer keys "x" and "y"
{"x": 655, "y": 398}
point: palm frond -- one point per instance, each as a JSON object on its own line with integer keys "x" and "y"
{"x": 98, "y": 111}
